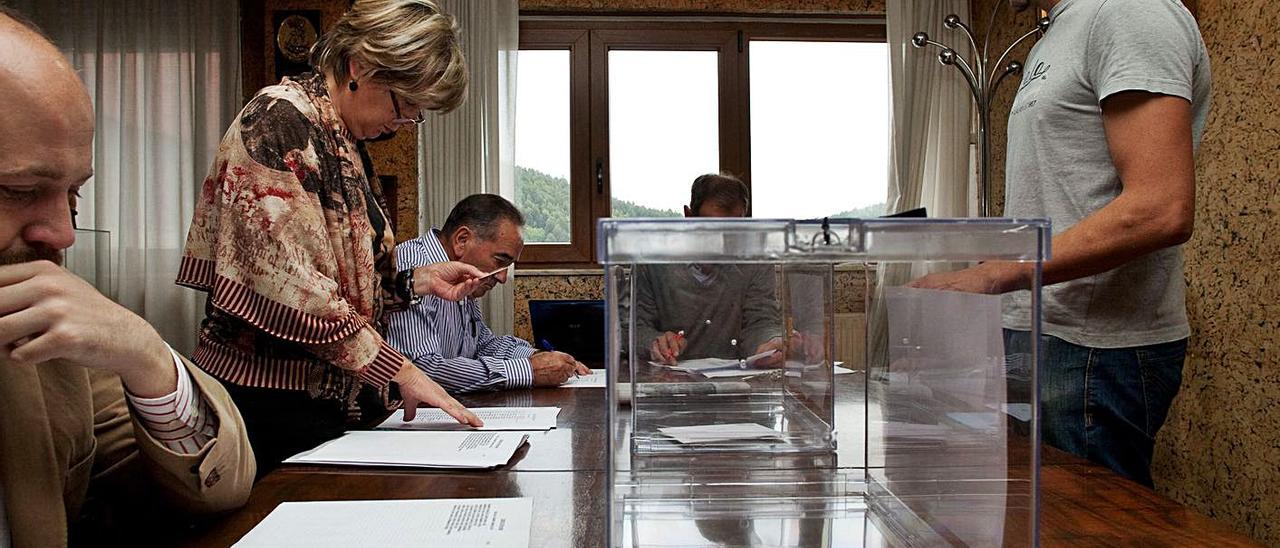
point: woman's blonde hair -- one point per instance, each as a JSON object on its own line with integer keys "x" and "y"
{"x": 410, "y": 46}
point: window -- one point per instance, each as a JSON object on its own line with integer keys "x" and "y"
{"x": 663, "y": 125}
{"x": 818, "y": 132}
{"x": 616, "y": 118}
{"x": 542, "y": 157}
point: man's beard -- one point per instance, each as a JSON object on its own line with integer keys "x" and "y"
{"x": 24, "y": 254}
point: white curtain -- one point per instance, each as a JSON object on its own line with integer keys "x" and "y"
{"x": 930, "y": 134}
{"x": 932, "y": 112}
{"x": 164, "y": 76}
{"x": 471, "y": 149}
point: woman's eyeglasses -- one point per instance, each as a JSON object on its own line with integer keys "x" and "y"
{"x": 400, "y": 118}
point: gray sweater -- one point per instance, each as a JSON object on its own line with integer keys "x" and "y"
{"x": 715, "y": 305}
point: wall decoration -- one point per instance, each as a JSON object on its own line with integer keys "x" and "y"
{"x": 295, "y": 32}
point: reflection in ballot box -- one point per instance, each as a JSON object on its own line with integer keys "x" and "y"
{"x": 721, "y": 337}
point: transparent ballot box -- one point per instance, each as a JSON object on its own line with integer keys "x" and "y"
{"x": 783, "y": 383}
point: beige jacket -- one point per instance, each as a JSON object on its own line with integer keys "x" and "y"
{"x": 67, "y": 434}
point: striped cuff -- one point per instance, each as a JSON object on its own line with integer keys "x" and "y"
{"x": 180, "y": 421}
{"x": 519, "y": 373}
{"x": 384, "y": 366}
{"x": 523, "y": 351}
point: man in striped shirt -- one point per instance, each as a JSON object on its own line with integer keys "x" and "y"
{"x": 449, "y": 341}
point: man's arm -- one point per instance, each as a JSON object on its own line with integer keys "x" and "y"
{"x": 520, "y": 360}
{"x": 1149, "y": 137}
{"x": 180, "y": 420}
{"x": 420, "y": 333}
{"x": 645, "y": 300}
{"x": 488, "y": 345}
{"x": 761, "y": 317}
{"x": 216, "y": 477}
{"x": 52, "y": 318}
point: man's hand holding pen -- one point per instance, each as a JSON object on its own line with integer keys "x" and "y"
{"x": 667, "y": 347}
{"x": 551, "y": 368}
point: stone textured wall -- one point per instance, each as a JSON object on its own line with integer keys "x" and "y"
{"x": 1219, "y": 452}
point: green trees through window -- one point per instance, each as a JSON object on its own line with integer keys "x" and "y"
{"x": 544, "y": 201}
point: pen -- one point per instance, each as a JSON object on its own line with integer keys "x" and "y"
{"x": 548, "y": 347}
{"x": 679, "y": 337}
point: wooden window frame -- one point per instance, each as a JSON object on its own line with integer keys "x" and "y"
{"x": 589, "y": 40}
{"x": 579, "y": 249}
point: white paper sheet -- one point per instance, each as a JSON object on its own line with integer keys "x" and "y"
{"x": 796, "y": 369}
{"x": 700, "y": 364}
{"x": 721, "y": 367}
{"x": 714, "y": 433}
{"x": 721, "y": 373}
{"x": 977, "y": 420}
{"x": 469, "y": 450}
{"x": 495, "y": 418}
{"x": 456, "y": 523}
{"x": 1020, "y": 411}
{"x": 595, "y": 380}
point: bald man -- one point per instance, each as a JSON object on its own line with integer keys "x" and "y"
{"x": 104, "y": 430}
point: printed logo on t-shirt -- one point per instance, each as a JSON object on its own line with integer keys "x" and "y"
{"x": 1027, "y": 98}
{"x": 1041, "y": 72}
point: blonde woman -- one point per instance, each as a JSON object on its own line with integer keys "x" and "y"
{"x": 293, "y": 247}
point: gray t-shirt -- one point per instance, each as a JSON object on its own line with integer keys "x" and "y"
{"x": 1059, "y": 165}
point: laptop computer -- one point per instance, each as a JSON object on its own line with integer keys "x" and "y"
{"x": 575, "y": 327}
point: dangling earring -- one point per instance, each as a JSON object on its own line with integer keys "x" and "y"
{"x": 352, "y": 85}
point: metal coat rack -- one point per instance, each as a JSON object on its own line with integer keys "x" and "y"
{"x": 983, "y": 83}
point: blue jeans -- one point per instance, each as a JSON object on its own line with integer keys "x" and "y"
{"x": 1105, "y": 404}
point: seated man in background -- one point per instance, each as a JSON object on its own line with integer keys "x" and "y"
{"x": 104, "y": 430}
{"x": 450, "y": 341}
{"x": 709, "y": 311}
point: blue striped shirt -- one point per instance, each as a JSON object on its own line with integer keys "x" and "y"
{"x": 449, "y": 341}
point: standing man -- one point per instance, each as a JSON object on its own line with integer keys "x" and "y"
{"x": 1102, "y": 137}
{"x": 105, "y": 432}
{"x": 449, "y": 341}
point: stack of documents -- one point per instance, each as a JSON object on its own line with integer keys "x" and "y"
{"x": 460, "y": 450}
{"x": 457, "y": 523}
{"x": 716, "y": 433}
{"x": 495, "y": 418}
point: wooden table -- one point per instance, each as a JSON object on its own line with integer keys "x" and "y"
{"x": 564, "y": 472}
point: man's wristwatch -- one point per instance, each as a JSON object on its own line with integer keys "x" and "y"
{"x": 404, "y": 287}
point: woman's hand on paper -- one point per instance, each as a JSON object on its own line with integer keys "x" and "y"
{"x": 416, "y": 387}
